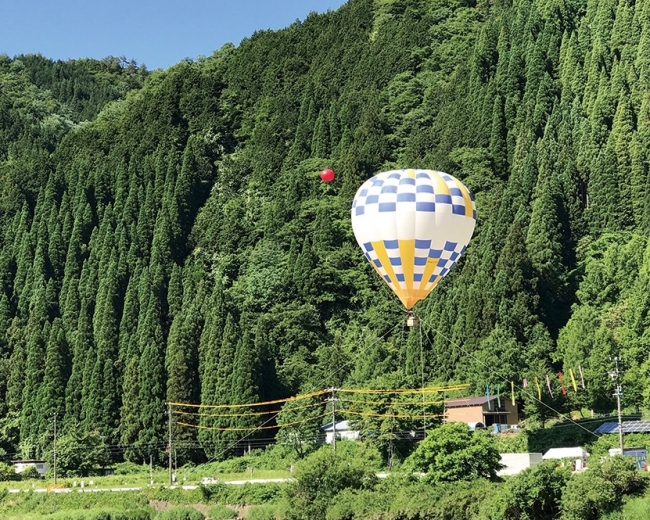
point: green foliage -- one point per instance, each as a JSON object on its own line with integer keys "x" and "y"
{"x": 452, "y": 452}
{"x": 165, "y": 237}
{"x": 534, "y": 494}
{"x": 601, "y": 488}
{"x": 79, "y": 454}
{"x": 180, "y": 513}
{"x": 220, "y": 512}
{"x": 263, "y": 512}
{"x": 320, "y": 477}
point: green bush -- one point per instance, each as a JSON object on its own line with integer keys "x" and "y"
{"x": 320, "y": 477}
{"x": 220, "y": 512}
{"x": 242, "y": 495}
{"x": 29, "y": 473}
{"x": 130, "y": 468}
{"x": 534, "y": 494}
{"x": 588, "y": 496}
{"x": 180, "y": 513}
{"x": 263, "y": 512}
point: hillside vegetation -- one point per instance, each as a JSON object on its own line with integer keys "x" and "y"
{"x": 165, "y": 236}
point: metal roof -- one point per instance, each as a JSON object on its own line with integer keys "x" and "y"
{"x": 469, "y": 401}
{"x": 628, "y": 427}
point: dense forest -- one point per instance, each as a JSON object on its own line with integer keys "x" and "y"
{"x": 165, "y": 236}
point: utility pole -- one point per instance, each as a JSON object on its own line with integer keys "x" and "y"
{"x": 54, "y": 457}
{"x": 333, "y": 401}
{"x": 169, "y": 447}
{"x": 618, "y": 393}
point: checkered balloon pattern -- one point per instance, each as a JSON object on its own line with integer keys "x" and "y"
{"x": 412, "y": 226}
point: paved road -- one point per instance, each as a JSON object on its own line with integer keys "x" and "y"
{"x": 189, "y": 487}
{"x": 98, "y": 489}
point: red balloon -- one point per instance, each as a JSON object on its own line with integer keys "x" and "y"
{"x": 327, "y": 175}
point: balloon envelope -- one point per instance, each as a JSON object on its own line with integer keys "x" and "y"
{"x": 327, "y": 175}
{"x": 412, "y": 226}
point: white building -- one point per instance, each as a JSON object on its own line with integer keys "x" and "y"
{"x": 515, "y": 463}
{"x": 22, "y": 465}
{"x": 577, "y": 454}
{"x": 343, "y": 431}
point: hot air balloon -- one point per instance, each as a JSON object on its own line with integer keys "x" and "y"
{"x": 327, "y": 175}
{"x": 412, "y": 226}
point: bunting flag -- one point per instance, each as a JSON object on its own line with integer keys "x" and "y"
{"x": 512, "y": 392}
{"x": 499, "y": 396}
{"x": 548, "y": 383}
{"x": 539, "y": 389}
{"x": 487, "y": 393}
{"x": 573, "y": 380}
{"x": 559, "y": 374}
{"x": 524, "y": 382}
{"x": 582, "y": 378}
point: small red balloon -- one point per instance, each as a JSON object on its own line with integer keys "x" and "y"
{"x": 327, "y": 175}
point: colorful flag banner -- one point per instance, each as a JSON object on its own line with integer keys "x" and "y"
{"x": 524, "y": 382}
{"x": 499, "y": 396}
{"x": 548, "y": 383}
{"x": 559, "y": 374}
{"x": 539, "y": 389}
{"x": 582, "y": 378}
{"x": 573, "y": 380}
{"x": 487, "y": 392}
{"x": 512, "y": 392}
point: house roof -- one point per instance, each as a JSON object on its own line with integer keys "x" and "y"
{"x": 340, "y": 426}
{"x": 628, "y": 427}
{"x": 469, "y": 401}
{"x": 565, "y": 453}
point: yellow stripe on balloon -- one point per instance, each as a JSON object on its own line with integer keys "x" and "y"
{"x": 469, "y": 207}
{"x": 382, "y": 256}
{"x": 439, "y": 185}
{"x": 407, "y": 254}
{"x": 430, "y": 266}
{"x": 410, "y": 174}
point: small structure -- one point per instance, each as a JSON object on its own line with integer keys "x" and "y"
{"x": 22, "y": 465}
{"x": 472, "y": 410}
{"x": 640, "y": 455}
{"x": 577, "y": 454}
{"x": 515, "y": 463}
{"x": 343, "y": 431}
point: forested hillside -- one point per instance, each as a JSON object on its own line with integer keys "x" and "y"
{"x": 176, "y": 244}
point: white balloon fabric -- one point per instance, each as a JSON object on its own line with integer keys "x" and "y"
{"x": 412, "y": 226}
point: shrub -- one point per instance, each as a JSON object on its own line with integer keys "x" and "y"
{"x": 534, "y": 494}
{"x": 587, "y": 497}
{"x": 221, "y": 513}
{"x": 29, "y": 473}
{"x": 452, "y": 452}
{"x": 180, "y": 513}
{"x": 263, "y": 512}
{"x": 320, "y": 477}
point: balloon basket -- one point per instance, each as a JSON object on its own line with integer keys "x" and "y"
{"x": 411, "y": 320}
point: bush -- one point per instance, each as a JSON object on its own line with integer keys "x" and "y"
{"x": 263, "y": 512}
{"x": 130, "y": 468}
{"x": 29, "y": 473}
{"x": 587, "y": 497}
{"x": 320, "y": 477}
{"x": 534, "y": 494}
{"x": 452, "y": 452}
{"x": 221, "y": 513}
{"x": 180, "y": 513}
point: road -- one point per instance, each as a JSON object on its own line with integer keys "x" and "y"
{"x": 93, "y": 489}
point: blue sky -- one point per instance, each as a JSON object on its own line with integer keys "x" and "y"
{"x": 157, "y": 33}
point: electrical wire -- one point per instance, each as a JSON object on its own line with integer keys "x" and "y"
{"x": 503, "y": 378}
